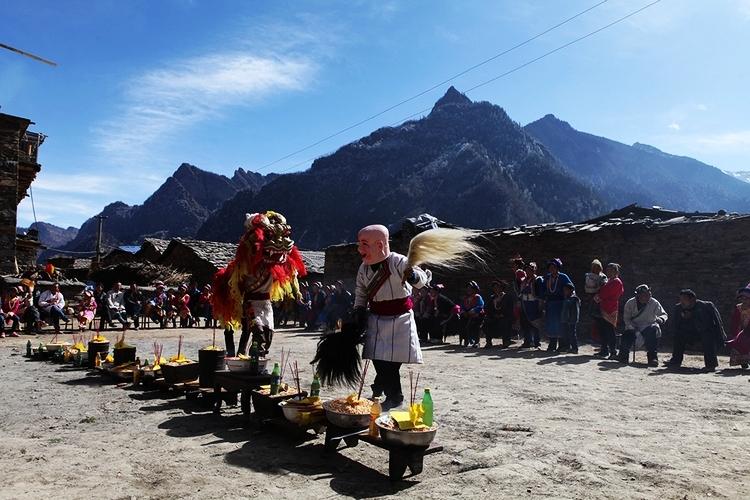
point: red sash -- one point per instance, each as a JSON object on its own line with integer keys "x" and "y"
{"x": 395, "y": 307}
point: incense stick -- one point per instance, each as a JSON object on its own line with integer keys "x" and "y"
{"x": 179, "y": 347}
{"x": 362, "y": 381}
{"x": 416, "y": 389}
{"x": 296, "y": 378}
{"x": 213, "y": 340}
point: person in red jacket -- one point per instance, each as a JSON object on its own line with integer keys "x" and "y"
{"x": 739, "y": 343}
{"x": 608, "y": 299}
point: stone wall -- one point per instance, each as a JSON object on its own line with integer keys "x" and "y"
{"x": 10, "y": 130}
{"x": 711, "y": 257}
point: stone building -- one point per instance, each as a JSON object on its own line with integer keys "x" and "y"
{"x": 18, "y": 169}
{"x": 665, "y": 249}
{"x": 151, "y": 249}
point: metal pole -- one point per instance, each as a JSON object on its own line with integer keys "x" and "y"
{"x": 99, "y": 239}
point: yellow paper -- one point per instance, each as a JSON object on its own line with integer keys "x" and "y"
{"x": 404, "y": 421}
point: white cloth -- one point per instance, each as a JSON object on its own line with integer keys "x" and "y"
{"x": 48, "y": 298}
{"x": 390, "y": 338}
{"x": 651, "y": 314}
{"x": 263, "y": 313}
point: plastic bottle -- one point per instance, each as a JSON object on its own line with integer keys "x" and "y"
{"x": 97, "y": 360}
{"x": 275, "y": 379}
{"x": 315, "y": 387}
{"x": 375, "y": 411}
{"x": 427, "y": 407}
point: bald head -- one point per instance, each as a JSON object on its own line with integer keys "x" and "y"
{"x": 372, "y": 244}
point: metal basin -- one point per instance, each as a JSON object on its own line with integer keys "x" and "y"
{"x": 404, "y": 438}
{"x": 346, "y": 420}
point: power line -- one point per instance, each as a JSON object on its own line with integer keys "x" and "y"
{"x": 430, "y": 89}
{"x": 509, "y": 72}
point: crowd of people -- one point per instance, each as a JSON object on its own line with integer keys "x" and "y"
{"x": 531, "y": 305}
{"x": 100, "y": 308}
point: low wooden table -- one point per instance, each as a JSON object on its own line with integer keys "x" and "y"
{"x": 237, "y": 382}
{"x": 399, "y": 457}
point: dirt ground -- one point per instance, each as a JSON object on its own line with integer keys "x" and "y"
{"x": 595, "y": 429}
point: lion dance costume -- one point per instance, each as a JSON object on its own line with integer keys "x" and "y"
{"x": 265, "y": 268}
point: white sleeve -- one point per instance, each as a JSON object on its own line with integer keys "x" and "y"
{"x": 627, "y": 315}
{"x": 61, "y": 304}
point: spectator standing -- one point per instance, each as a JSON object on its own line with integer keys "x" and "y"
{"x": 205, "y": 309}
{"x": 532, "y": 321}
{"x": 554, "y": 284}
{"x": 569, "y": 316}
{"x": 499, "y": 317}
{"x": 472, "y": 313}
{"x": 608, "y": 299}
{"x": 594, "y": 280}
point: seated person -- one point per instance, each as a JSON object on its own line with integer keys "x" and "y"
{"x": 86, "y": 310}
{"x": 9, "y": 308}
{"x": 52, "y": 303}
{"x": 643, "y": 316}
{"x": 116, "y": 305}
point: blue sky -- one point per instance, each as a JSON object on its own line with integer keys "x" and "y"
{"x": 143, "y": 86}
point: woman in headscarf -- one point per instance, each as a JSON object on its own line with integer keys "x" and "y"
{"x": 739, "y": 345}
{"x": 608, "y": 299}
{"x": 554, "y": 295}
{"x": 472, "y": 312}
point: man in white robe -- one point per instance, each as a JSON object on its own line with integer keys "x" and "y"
{"x": 384, "y": 284}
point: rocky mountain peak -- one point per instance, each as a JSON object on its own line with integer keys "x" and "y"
{"x": 452, "y": 96}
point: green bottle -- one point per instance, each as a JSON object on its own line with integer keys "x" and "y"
{"x": 427, "y": 407}
{"x": 28, "y": 348}
{"x": 275, "y": 379}
{"x": 315, "y": 387}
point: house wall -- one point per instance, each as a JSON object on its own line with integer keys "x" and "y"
{"x": 9, "y": 137}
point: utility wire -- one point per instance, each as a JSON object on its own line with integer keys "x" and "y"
{"x": 430, "y": 89}
{"x": 509, "y": 72}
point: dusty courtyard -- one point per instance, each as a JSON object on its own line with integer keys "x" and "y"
{"x": 515, "y": 424}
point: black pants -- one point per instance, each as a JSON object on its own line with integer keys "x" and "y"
{"x": 530, "y": 332}
{"x": 31, "y": 318}
{"x": 229, "y": 342}
{"x": 388, "y": 379}
{"x": 707, "y": 341}
{"x": 649, "y": 337}
{"x": 498, "y": 328}
{"x": 609, "y": 339}
{"x": 571, "y": 336}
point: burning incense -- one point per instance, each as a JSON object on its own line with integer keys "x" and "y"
{"x": 213, "y": 340}
{"x": 362, "y": 380}
{"x": 296, "y": 379}
{"x": 179, "y": 347}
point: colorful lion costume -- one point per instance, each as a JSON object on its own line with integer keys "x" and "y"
{"x": 265, "y": 268}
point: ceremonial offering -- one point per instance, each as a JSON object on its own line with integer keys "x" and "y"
{"x": 179, "y": 368}
{"x": 392, "y": 433}
{"x": 210, "y": 359}
{"x": 303, "y": 411}
{"x": 98, "y": 345}
{"x": 123, "y": 353}
{"x": 349, "y": 412}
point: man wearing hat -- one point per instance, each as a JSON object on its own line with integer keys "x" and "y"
{"x": 643, "y": 316}
{"x": 695, "y": 321}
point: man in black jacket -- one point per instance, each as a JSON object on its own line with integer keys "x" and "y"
{"x": 695, "y": 321}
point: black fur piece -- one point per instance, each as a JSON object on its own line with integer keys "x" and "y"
{"x": 337, "y": 359}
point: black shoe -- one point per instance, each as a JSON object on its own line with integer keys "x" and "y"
{"x": 708, "y": 369}
{"x": 671, "y": 364}
{"x": 551, "y": 348}
{"x": 573, "y": 351}
{"x": 488, "y": 345}
{"x": 602, "y": 354}
{"x": 391, "y": 403}
{"x": 653, "y": 360}
{"x": 612, "y": 357}
{"x": 622, "y": 358}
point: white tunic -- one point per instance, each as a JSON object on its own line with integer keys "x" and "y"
{"x": 390, "y": 338}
